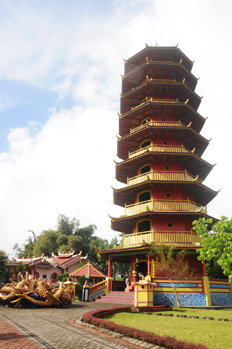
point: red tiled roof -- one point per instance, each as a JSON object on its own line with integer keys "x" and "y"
{"x": 65, "y": 262}
{"x": 65, "y": 258}
{"x": 89, "y": 270}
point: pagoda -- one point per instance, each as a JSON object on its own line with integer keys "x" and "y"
{"x": 161, "y": 166}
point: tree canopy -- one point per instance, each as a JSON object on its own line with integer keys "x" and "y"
{"x": 216, "y": 242}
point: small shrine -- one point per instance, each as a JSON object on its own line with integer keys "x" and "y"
{"x": 90, "y": 272}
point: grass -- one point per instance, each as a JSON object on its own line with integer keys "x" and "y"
{"x": 212, "y": 333}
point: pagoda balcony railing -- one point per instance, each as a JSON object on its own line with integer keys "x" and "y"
{"x": 164, "y": 206}
{"x": 174, "y": 176}
{"x": 159, "y": 148}
{"x": 158, "y": 124}
{"x": 161, "y": 236}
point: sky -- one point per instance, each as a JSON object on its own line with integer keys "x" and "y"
{"x": 60, "y": 67}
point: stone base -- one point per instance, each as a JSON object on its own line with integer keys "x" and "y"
{"x": 193, "y": 299}
{"x": 221, "y": 299}
{"x": 186, "y": 299}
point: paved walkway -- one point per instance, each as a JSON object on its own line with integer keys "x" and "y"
{"x": 59, "y": 329}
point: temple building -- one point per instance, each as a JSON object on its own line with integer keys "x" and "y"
{"x": 161, "y": 166}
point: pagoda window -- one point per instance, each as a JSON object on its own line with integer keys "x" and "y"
{"x": 145, "y": 144}
{"x": 144, "y": 196}
{"x": 144, "y": 225}
{"x": 145, "y": 121}
{"x": 145, "y": 169}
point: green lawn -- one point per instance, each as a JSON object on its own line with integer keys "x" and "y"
{"x": 212, "y": 333}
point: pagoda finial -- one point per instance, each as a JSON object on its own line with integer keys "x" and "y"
{"x": 202, "y": 97}
{"x": 147, "y": 59}
{"x": 181, "y": 61}
{"x": 187, "y": 100}
{"x": 146, "y": 45}
{"x": 177, "y": 45}
{"x": 183, "y": 80}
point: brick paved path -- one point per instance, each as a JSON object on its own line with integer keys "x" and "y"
{"x": 59, "y": 329}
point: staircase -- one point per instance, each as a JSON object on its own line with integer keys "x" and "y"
{"x": 117, "y": 297}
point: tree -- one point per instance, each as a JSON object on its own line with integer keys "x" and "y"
{"x": 67, "y": 237}
{"x": 216, "y": 242}
{"x": 66, "y": 226}
{"x": 5, "y": 274}
{"x": 173, "y": 265}
{"x": 46, "y": 243}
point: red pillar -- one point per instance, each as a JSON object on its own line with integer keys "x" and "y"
{"x": 204, "y": 270}
{"x": 109, "y": 267}
{"x": 148, "y": 264}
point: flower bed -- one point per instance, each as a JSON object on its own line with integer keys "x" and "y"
{"x": 96, "y": 318}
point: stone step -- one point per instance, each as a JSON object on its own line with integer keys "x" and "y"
{"x": 117, "y": 298}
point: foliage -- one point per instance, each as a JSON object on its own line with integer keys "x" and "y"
{"x": 46, "y": 243}
{"x": 20, "y": 268}
{"x": 4, "y": 271}
{"x": 67, "y": 226}
{"x": 79, "y": 286}
{"x": 60, "y": 276}
{"x": 119, "y": 278}
{"x": 27, "y": 249}
{"x": 173, "y": 265}
{"x": 95, "y": 318}
{"x": 216, "y": 242}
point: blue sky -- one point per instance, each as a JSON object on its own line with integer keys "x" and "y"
{"x": 60, "y": 67}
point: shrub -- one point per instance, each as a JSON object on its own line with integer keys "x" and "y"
{"x": 79, "y": 291}
{"x": 59, "y": 277}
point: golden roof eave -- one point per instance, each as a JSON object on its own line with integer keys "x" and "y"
{"x": 152, "y": 81}
{"x": 167, "y": 63}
